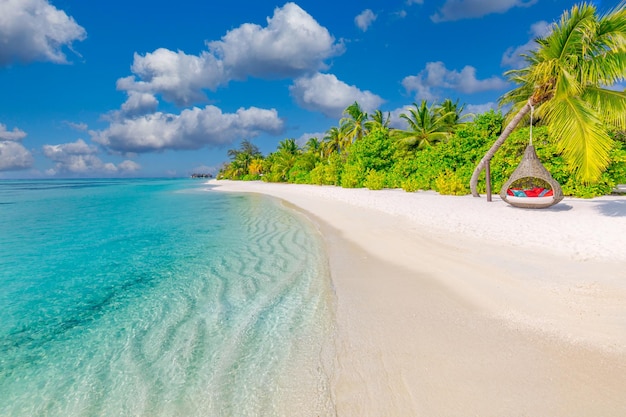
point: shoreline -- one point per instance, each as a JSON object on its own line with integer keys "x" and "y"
{"x": 432, "y": 322}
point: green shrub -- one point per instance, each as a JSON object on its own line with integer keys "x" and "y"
{"x": 251, "y": 177}
{"x": 352, "y": 177}
{"x": 449, "y": 183}
{"x": 374, "y": 151}
{"x": 273, "y": 177}
{"x": 375, "y": 180}
{"x": 333, "y": 170}
{"x": 410, "y": 185}
{"x": 317, "y": 174}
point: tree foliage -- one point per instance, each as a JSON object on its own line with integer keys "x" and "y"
{"x": 379, "y": 160}
{"x": 565, "y": 80}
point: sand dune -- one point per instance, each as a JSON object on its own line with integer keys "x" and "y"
{"x": 452, "y": 306}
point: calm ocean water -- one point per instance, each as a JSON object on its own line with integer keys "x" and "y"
{"x": 160, "y": 298}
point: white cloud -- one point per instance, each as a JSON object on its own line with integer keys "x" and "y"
{"x": 330, "y": 96}
{"x": 138, "y": 104}
{"x": 81, "y": 158}
{"x": 291, "y": 44}
{"x": 76, "y": 157}
{"x": 428, "y": 83}
{"x": 128, "y": 166}
{"x": 365, "y": 19}
{"x": 395, "y": 121}
{"x": 178, "y": 77}
{"x": 192, "y": 129}
{"x": 470, "y": 9}
{"x": 401, "y": 14}
{"x": 15, "y": 134}
{"x": 477, "y": 109}
{"x": 304, "y": 138}
{"x": 13, "y": 155}
{"x": 512, "y": 56}
{"x": 34, "y": 30}
{"x": 82, "y": 127}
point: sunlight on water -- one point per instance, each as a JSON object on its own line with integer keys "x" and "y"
{"x": 158, "y": 298}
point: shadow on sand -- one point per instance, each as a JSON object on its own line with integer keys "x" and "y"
{"x": 615, "y": 208}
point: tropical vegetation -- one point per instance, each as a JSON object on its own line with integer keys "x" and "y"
{"x": 578, "y": 131}
{"x": 566, "y": 82}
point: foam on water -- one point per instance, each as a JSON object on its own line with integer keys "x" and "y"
{"x": 157, "y": 298}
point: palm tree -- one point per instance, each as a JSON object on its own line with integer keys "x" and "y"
{"x": 378, "y": 121}
{"x": 333, "y": 141}
{"x": 285, "y": 157}
{"x": 565, "y": 83}
{"x": 354, "y": 123}
{"x": 288, "y": 146}
{"x": 314, "y": 146}
{"x": 426, "y": 127}
{"x": 242, "y": 157}
{"x": 256, "y": 166}
{"x": 452, "y": 113}
{"x": 246, "y": 147}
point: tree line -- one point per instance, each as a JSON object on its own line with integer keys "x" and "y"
{"x": 578, "y": 134}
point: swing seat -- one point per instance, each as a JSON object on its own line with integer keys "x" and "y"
{"x": 539, "y": 189}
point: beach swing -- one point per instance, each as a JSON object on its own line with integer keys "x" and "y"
{"x": 531, "y": 185}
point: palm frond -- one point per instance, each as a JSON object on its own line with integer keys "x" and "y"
{"x": 610, "y": 104}
{"x": 580, "y": 136}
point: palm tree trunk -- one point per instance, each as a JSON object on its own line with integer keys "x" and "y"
{"x": 496, "y": 145}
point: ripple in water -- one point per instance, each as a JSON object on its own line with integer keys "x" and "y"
{"x": 153, "y": 298}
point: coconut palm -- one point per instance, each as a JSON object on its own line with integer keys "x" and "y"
{"x": 333, "y": 141}
{"x": 426, "y": 127}
{"x": 565, "y": 82}
{"x": 256, "y": 166}
{"x": 242, "y": 157}
{"x": 452, "y": 113}
{"x": 285, "y": 157}
{"x": 288, "y": 146}
{"x": 378, "y": 121}
{"x": 314, "y": 146}
{"x": 246, "y": 147}
{"x": 353, "y": 124}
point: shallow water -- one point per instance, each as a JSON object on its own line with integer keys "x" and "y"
{"x": 158, "y": 298}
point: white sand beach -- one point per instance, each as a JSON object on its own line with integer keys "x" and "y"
{"x": 453, "y": 306}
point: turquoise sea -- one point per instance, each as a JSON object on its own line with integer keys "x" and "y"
{"x": 156, "y": 298}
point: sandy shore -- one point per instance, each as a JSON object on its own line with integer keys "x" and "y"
{"x": 452, "y": 306}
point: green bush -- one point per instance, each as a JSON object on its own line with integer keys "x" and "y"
{"x": 251, "y": 177}
{"x": 375, "y": 180}
{"x": 410, "y": 185}
{"x": 318, "y": 174}
{"x": 450, "y": 183}
{"x": 352, "y": 177}
{"x": 374, "y": 151}
{"x": 273, "y": 177}
{"x": 333, "y": 170}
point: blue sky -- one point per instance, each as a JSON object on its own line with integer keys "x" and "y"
{"x": 160, "y": 88}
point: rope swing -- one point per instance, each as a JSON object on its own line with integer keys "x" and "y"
{"x": 531, "y": 185}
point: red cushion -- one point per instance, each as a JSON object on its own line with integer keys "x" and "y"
{"x": 509, "y": 192}
{"x": 549, "y": 194}
{"x": 531, "y": 193}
